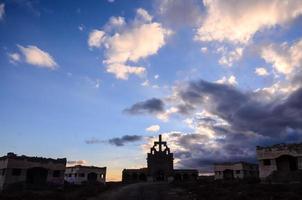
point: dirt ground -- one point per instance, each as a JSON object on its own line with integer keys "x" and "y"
{"x": 202, "y": 190}
{"x": 145, "y": 191}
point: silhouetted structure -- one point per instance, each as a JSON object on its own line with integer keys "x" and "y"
{"x": 235, "y": 170}
{"x": 280, "y": 162}
{"x": 24, "y": 171}
{"x": 160, "y": 167}
{"x": 85, "y": 174}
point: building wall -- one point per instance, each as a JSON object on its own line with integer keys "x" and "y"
{"x": 237, "y": 170}
{"x": 73, "y": 174}
{"x": 11, "y": 165}
{"x": 271, "y": 154}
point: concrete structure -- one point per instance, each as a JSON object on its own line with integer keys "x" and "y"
{"x": 236, "y": 170}
{"x": 30, "y": 171}
{"x": 280, "y": 162}
{"x": 159, "y": 167}
{"x": 85, "y": 174}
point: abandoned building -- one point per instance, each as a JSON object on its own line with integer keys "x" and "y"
{"x": 159, "y": 167}
{"x": 280, "y": 163}
{"x": 30, "y": 172}
{"x": 236, "y": 170}
{"x": 85, "y": 174}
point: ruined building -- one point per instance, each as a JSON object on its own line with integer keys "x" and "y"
{"x": 159, "y": 167}
{"x": 85, "y": 174}
{"x": 24, "y": 171}
{"x": 235, "y": 170}
{"x": 280, "y": 163}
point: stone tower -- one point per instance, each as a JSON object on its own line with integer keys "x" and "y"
{"x": 160, "y": 161}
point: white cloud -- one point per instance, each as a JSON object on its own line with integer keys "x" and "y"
{"x": 144, "y": 15}
{"x": 237, "y": 21}
{"x": 14, "y": 57}
{"x": 261, "y": 71}
{"x": 156, "y": 76}
{"x": 122, "y": 71}
{"x": 81, "y": 27}
{"x": 204, "y": 49}
{"x": 153, "y": 128}
{"x": 229, "y": 57}
{"x": 145, "y": 83}
{"x": 35, "y": 56}
{"x": 166, "y": 115}
{"x": 231, "y": 80}
{"x": 284, "y": 58}
{"x": 96, "y": 38}
{"x": 132, "y": 42}
{"x": 2, "y": 10}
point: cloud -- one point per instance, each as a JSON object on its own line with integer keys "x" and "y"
{"x": 156, "y": 76}
{"x": 204, "y": 49}
{"x": 125, "y": 139}
{"x": 2, "y": 11}
{"x": 14, "y": 57}
{"x": 227, "y": 123}
{"x": 150, "y": 106}
{"x": 237, "y": 21}
{"x": 179, "y": 13}
{"x": 37, "y": 57}
{"x": 96, "y": 38}
{"x": 81, "y": 27}
{"x": 127, "y": 43}
{"x": 76, "y": 162}
{"x": 261, "y": 71}
{"x": 153, "y": 128}
{"x": 231, "y": 80}
{"x": 229, "y": 56}
{"x": 284, "y": 58}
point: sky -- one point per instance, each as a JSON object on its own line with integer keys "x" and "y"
{"x": 97, "y": 82}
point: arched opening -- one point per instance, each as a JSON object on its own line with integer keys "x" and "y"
{"x": 160, "y": 176}
{"x": 228, "y": 174}
{"x": 186, "y": 177}
{"x": 36, "y": 176}
{"x": 142, "y": 177}
{"x": 134, "y": 176}
{"x": 287, "y": 163}
{"x": 92, "y": 177}
{"x": 177, "y": 177}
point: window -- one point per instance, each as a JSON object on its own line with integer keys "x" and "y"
{"x": 16, "y": 172}
{"x": 82, "y": 175}
{"x": 69, "y": 175}
{"x": 267, "y": 162}
{"x": 237, "y": 171}
{"x": 75, "y": 175}
{"x": 56, "y": 173}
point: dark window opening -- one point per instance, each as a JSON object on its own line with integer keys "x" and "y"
{"x": 16, "y": 172}
{"x": 69, "y": 175}
{"x": 237, "y": 171}
{"x": 267, "y": 162}
{"x": 56, "y": 173}
{"x": 82, "y": 175}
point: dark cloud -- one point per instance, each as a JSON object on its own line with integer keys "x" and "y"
{"x": 125, "y": 139}
{"x": 117, "y": 141}
{"x": 150, "y": 106}
{"x": 239, "y": 121}
{"x": 76, "y": 162}
{"x": 242, "y": 111}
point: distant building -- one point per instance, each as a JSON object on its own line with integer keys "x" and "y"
{"x": 280, "y": 162}
{"x": 159, "y": 167}
{"x": 85, "y": 174}
{"x": 236, "y": 170}
{"x": 30, "y": 171}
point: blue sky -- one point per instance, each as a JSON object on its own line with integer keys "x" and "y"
{"x": 78, "y": 77}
